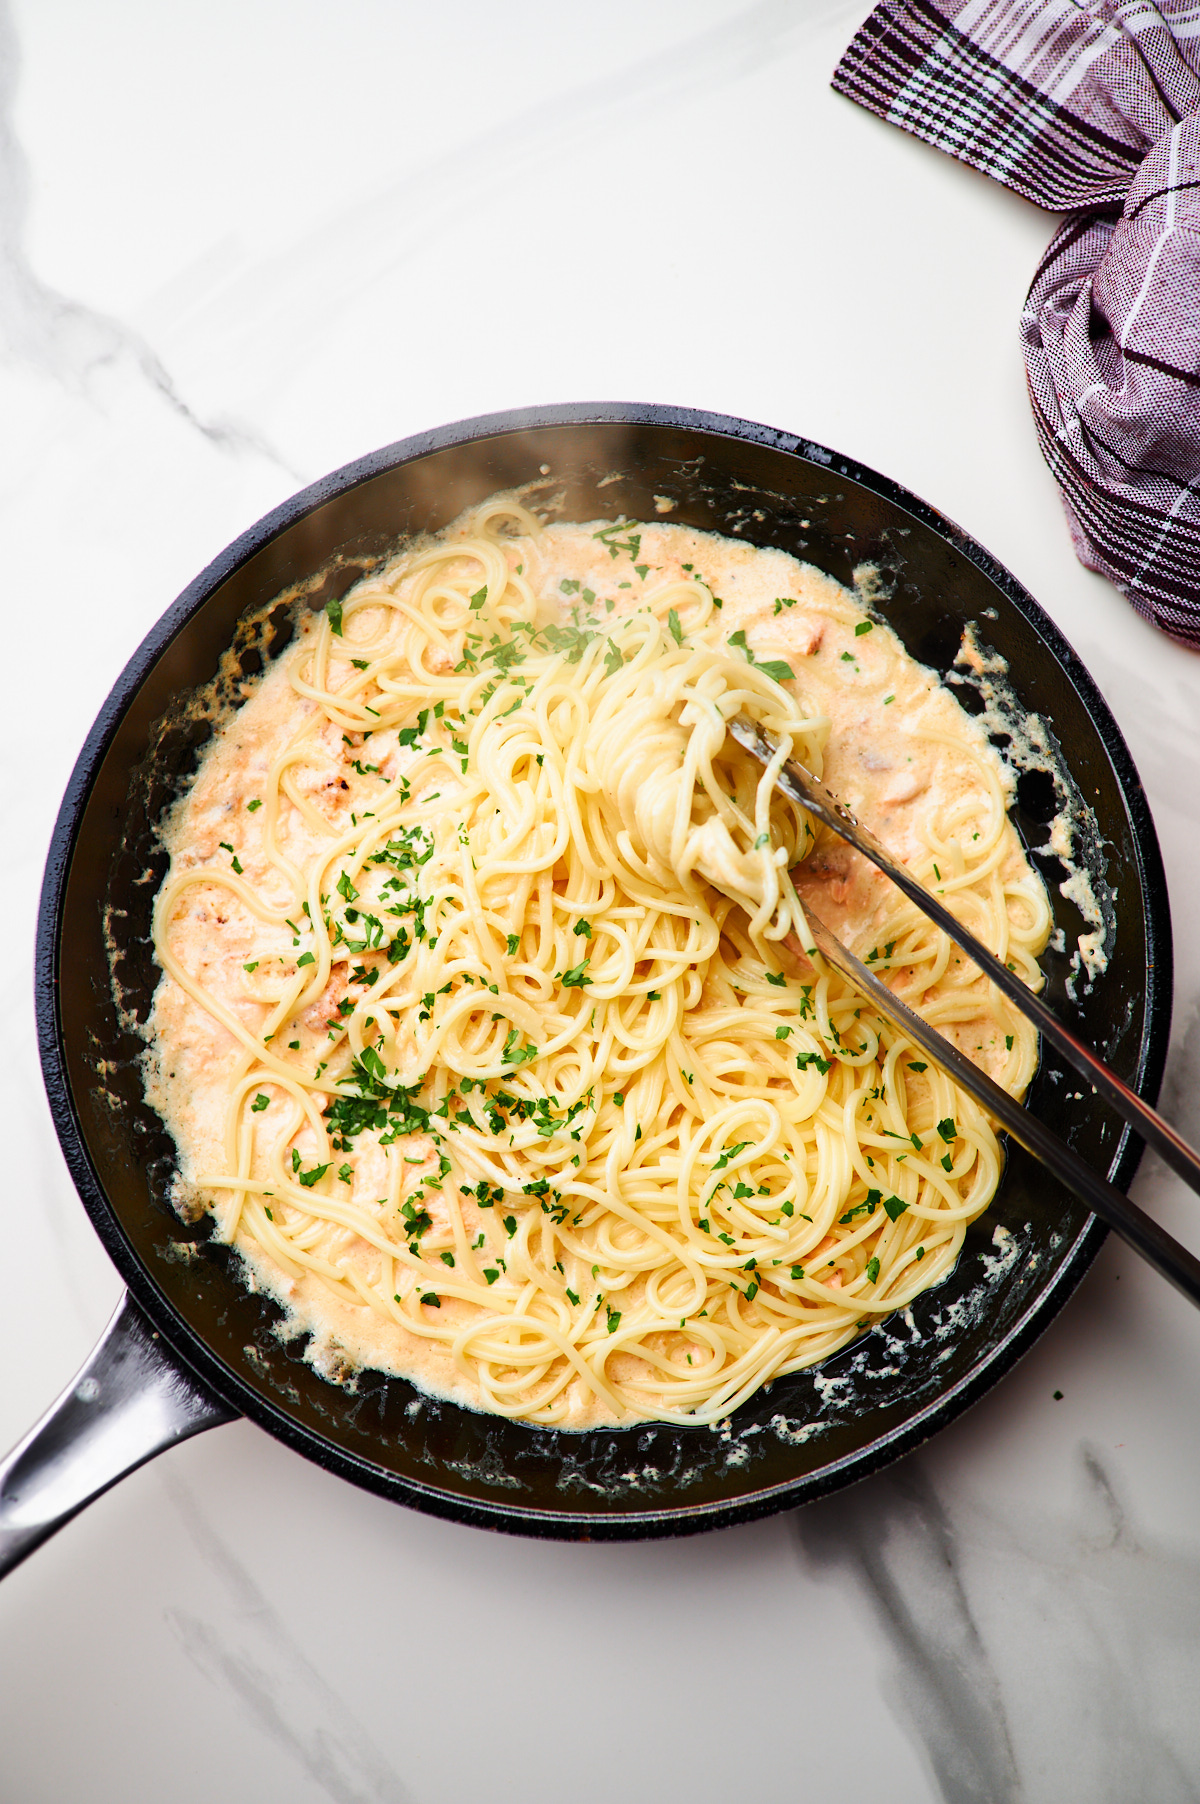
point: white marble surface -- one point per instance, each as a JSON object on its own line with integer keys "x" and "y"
{"x": 241, "y": 242}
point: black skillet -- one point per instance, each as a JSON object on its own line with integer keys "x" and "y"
{"x": 193, "y": 1346}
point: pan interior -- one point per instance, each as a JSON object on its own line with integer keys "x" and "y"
{"x": 805, "y": 1434}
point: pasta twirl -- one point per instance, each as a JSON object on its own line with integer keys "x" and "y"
{"x": 475, "y": 1029}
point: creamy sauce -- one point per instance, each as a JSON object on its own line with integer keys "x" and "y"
{"x": 894, "y": 756}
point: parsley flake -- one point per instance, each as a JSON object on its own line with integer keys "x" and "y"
{"x": 775, "y": 668}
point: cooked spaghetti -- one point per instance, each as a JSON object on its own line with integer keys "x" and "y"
{"x": 477, "y": 1032}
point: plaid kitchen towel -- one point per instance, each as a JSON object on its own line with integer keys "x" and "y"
{"x": 1091, "y": 110}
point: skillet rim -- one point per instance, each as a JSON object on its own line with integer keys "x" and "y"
{"x": 205, "y": 1369}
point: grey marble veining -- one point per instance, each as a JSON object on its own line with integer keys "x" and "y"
{"x": 58, "y": 335}
{"x": 322, "y": 233}
{"x": 1033, "y": 1657}
{"x": 245, "y": 1646}
{"x": 896, "y": 1540}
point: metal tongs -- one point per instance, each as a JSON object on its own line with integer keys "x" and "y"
{"x": 1113, "y": 1207}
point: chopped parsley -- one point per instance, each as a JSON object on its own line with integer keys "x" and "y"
{"x": 410, "y": 735}
{"x": 515, "y": 1055}
{"x": 775, "y": 668}
{"x": 730, "y": 1152}
{"x": 867, "y": 1207}
{"x": 416, "y": 1221}
{"x": 610, "y": 537}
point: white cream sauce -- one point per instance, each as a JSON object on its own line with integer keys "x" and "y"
{"x": 849, "y": 667}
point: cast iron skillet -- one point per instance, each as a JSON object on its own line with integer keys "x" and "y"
{"x": 202, "y": 1348}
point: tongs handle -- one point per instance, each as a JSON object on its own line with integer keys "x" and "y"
{"x": 801, "y": 787}
{"x": 1155, "y": 1245}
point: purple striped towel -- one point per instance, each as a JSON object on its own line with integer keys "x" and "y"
{"x": 1092, "y": 110}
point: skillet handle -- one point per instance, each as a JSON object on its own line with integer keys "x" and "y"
{"x": 130, "y": 1401}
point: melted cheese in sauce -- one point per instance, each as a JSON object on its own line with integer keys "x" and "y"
{"x": 894, "y": 754}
